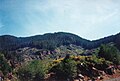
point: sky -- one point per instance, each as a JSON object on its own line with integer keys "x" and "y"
{"x": 90, "y": 19}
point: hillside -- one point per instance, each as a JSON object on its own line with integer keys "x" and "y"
{"x": 59, "y": 56}
{"x": 52, "y": 40}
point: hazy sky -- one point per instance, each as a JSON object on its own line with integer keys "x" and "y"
{"x": 91, "y": 19}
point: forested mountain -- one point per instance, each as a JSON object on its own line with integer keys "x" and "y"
{"x": 61, "y": 55}
{"x": 52, "y": 40}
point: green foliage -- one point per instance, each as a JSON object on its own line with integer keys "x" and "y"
{"x": 97, "y": 60}
{"x": 66, "y": 68}
{"x": 4, "y": 66}
{"x": 34, "y": 70}
{"x": 110, "y": 52}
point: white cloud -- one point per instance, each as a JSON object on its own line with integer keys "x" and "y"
{"x": 70, "y": 15}
{"x": 79, "y": 16}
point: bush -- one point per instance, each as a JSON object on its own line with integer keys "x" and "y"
{"x": 66, "y": 69}
{"x": 34, "y": 70}
{"x": 110, "y": 52}
{"x": 4, "y": 66}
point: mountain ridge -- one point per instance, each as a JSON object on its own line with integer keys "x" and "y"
{"x": 57, "y": 32}
{"x": 53, "y": 40}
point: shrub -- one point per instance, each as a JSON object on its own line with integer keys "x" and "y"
{"x": 34, "y": 70}
{"x": 66, "y": 69}
{"x": 110, "y": 52}
{"x": 4, "y": 66}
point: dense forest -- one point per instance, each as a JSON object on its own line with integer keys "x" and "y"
{"x": 52, "y": 40}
